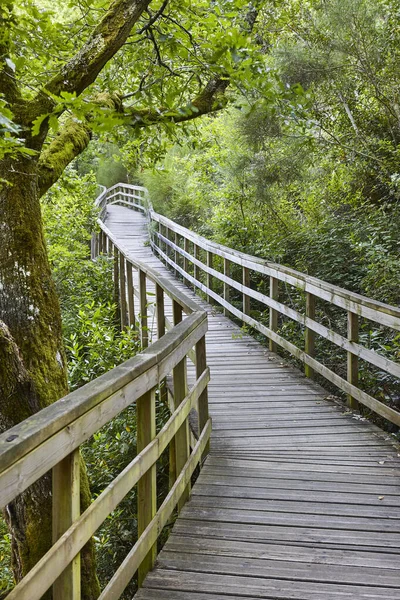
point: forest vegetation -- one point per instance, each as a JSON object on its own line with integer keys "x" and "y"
{"x": 270, "y": 126}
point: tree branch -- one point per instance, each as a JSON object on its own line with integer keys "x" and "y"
{"x": 209, "y": 100}
{"x": 154, "y": 17}
{"x": 105, "y": 41}
{"x": 70, "y": 141}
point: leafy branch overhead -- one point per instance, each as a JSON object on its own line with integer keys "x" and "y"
{"x": 142, "y": 63}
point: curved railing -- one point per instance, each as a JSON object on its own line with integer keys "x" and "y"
{"x": 183, "y": 251}
{"x": 51, "y": 438}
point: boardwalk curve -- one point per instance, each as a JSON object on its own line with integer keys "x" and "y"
{"x": 299, "y": 498}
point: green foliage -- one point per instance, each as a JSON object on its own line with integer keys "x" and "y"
{"x": 6, "y": 576}
{"x": 94, "y": 343}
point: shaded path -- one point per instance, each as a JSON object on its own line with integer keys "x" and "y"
{"x": 298, "y": 499}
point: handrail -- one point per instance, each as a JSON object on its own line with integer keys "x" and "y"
{"x": 172, "y": 244}
{"x": 51, "y": 438}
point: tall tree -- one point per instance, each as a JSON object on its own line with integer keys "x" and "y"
{"x": 141, "y": 63}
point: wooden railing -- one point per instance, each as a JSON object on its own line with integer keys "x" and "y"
{"x": 181, "y": 249}
{"x": 50, "y": 439}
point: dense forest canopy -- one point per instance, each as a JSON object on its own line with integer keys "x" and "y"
{"x": 271, "y": 126}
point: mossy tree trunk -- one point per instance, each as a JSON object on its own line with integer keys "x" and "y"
{"x": 32, "y": 360}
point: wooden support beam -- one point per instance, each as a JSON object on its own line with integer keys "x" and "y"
{"x": 309, "y": 346}
{"x": 131, "y": 295}
{"x": 146, "y": 490}
{"x": 144, "y": 332}
{"x": 273, "y": 314}
{"x": 66, "y": 510}
{"x": 201, "y": 365}
{"x": 122, "y": 291}
{"x": 352, "y": 359}
{"x": 246, "y": 282}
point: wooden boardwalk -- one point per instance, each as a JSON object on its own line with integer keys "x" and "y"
{"x": 299, "y": 499}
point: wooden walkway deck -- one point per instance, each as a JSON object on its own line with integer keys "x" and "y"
{"x": 299, "y": 499}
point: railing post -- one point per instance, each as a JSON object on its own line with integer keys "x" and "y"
{"x": 66, "y": 510}
{"x": 209, "y": 279}
{"x": 95, "y": 245}
{"x": 186, "y": 260}
{"x": 159, "y": 242}
{"x": 179, "y": 450}
{"x": 309, "y": 346}
{"x": 201, "y": 365}
{"x": 131, "y": 295}
{"x": 352, "y": 359}
{"x": 167, "y": 247}
{"x": 160, "y": 310}
{"x": 273, "y": 314}
{"x": 227, "y": 273}
{"x": 144, "y": 334}
{"x": 176, "y": 253}
{"x": 147, "y": 491}
{"x": 196, "y": 268}
{"x": 117, "y": 283}
{"x": 122, "y": 290}
{"x": 246, "y": 283}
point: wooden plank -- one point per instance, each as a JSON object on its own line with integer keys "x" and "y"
{"x": 283, "y": 570}
{"x": 280, "y": 552}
